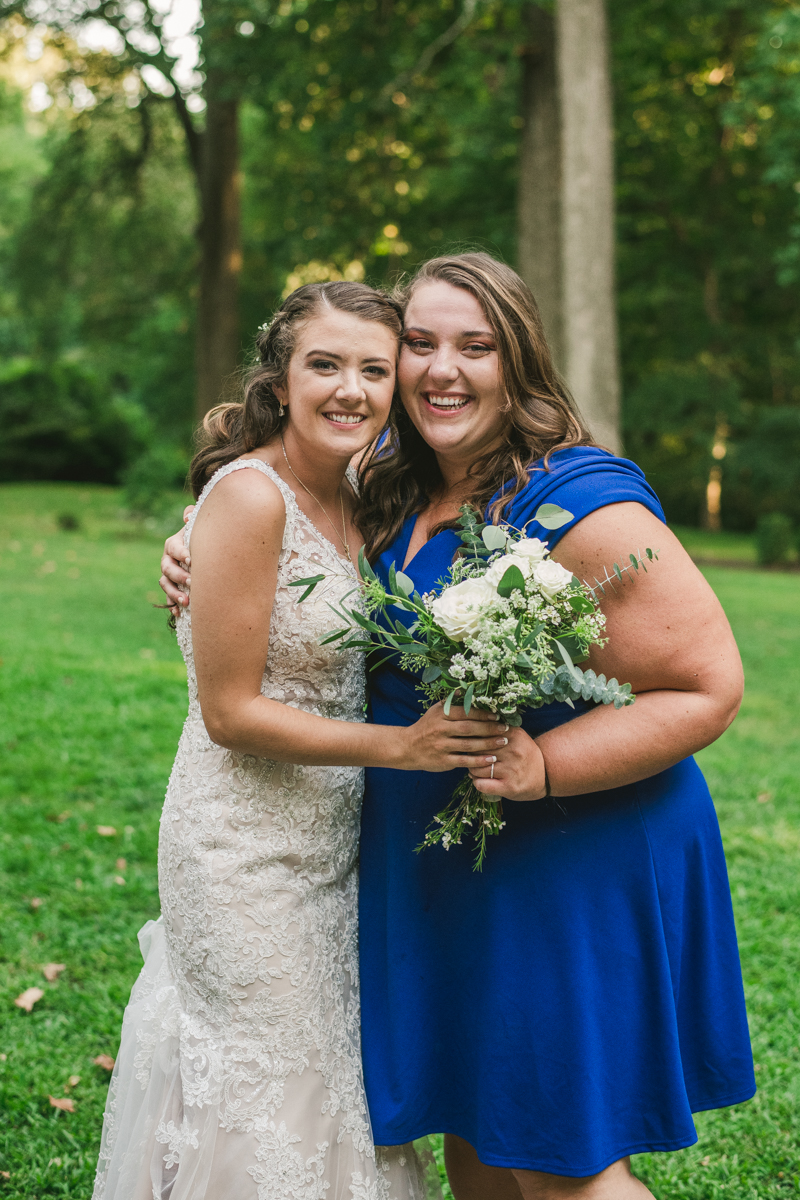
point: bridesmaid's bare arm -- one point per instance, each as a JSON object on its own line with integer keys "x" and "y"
{"x": 668, "y": 637}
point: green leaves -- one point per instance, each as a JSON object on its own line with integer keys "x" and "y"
{"x": 552, "y": 516}
{"x": 512, "y": 580}
{"x": 494, "y": 538}
{"x": 309, "y": 584}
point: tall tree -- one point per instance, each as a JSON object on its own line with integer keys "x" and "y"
{"x": 212, "y": 149}
{"x": 565, "y": 207}
{"x": 539, "y": 250}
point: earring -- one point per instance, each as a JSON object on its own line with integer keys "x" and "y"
{"x": 280, "y": 408}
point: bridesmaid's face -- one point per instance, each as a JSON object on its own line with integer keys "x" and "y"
{"x": 449, "y": 374}
{"x": 340, "y": 383}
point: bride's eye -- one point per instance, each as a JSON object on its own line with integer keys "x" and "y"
{"x": 376, "y": 372}
{"x": 323, "y": 364}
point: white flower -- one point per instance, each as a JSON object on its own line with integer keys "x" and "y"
{"x": 500, "y": 565}
{"x": 459, "y": 608}
{"x": 532, "y": 549}
{"x": 551, "y": 577}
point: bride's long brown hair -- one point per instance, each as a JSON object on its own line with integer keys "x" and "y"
{"x": 402, "y": 476}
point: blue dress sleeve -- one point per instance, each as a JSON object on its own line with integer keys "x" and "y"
{"x": 580, "y": 479}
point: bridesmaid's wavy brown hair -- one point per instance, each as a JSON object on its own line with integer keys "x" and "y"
{"x": 236, "y": 428}
{"x": 402, "y": 476}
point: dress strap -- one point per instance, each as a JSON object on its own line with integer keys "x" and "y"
{"x": 238, "y": 465}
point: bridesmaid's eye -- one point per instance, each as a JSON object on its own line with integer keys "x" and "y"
{"x": 418, "y": 343}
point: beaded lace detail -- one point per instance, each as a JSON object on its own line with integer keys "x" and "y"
{"x": 239, "y": 1074}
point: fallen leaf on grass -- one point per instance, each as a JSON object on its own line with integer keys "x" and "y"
{"x": 121, "y": 864}
{"x": 106, "y": 831}
{"x": 51, "y": 971}
{"x": 5, "y": 1174}
{"x": 764, "y": 797}
{"x": 73, "y": 1081}
{"x": 118, "y": 879}
{"x": 28, "y": 998}
{"x": 65, "y": 1105}
{"x": 54, "y": 1162}
{"x": 36, "y": 902}
{"x": 106, "y": 1061}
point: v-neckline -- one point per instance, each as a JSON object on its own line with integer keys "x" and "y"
{"x": 412, "y": 523}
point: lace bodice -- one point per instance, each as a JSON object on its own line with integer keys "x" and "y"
{"x": 239, "y": 1076}
{"x": 298, "y": 670}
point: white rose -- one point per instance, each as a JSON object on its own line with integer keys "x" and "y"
{"x": 532, "y": 548}
{"x": 459, "y": 608}
{"x": 500, "y": 565}
{"x": 551, "y": 577}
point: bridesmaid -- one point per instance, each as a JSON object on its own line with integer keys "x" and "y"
{"x": 577, "y": 1001}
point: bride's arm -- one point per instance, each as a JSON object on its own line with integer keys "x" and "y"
{"x": 236, "y": 543}
{"x": 668, "y": 637}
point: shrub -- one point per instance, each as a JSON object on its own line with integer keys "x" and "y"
{"x": 58, "y": 423}
{"x": 774, "y": 538}
{"x": 151, "y": 481}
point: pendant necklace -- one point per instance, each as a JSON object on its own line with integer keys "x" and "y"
{"x": 343, "y": 534}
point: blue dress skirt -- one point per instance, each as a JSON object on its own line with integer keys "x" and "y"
{"x": 581, "y": 997}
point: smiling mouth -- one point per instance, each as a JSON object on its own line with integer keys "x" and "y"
{"x": 447, "y": 402}
{"x": 344, "y": 418}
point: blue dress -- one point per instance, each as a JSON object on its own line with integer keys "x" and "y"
{"x": 581, "y": 997}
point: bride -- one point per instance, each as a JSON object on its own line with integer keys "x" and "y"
{"x": 239, "y": 1072}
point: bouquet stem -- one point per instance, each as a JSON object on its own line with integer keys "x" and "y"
{"x": 467, "y": 808}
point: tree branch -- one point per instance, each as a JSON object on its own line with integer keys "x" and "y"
{"x": 438, "y": 44}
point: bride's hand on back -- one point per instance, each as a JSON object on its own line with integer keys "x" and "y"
{"x": 441, "y": 743}
{"x": 175, "y": 562}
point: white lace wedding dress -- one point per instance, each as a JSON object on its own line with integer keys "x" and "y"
{"x": 239, "y": 1072}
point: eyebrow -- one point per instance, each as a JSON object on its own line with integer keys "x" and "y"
{"x": 330, "y": 354}
{"x": 467, "y": 333}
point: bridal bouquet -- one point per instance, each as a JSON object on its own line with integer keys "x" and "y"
{"x": 503, "y": 633}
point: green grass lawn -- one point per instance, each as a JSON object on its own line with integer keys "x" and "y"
{"x": 92, "y": 699}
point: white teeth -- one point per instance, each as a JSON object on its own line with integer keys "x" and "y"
{"x": 447, "y": 401}
{"x": 344, "y": 419}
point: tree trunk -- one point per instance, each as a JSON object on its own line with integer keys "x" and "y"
{"x": 590, "y": 362}
{"x": 218, "y": 344}
{"x": 539, "y": 189}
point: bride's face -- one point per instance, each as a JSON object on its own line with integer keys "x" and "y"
{"x": 339, "y": 386}
{"x": 449, "y": 373}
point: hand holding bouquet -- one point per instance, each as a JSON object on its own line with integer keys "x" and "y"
{"x": 504, "y": 634}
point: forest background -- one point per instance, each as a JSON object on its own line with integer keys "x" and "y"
{"x": 372, "y": 134}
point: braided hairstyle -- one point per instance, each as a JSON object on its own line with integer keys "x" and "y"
{"x": 232, "y": 429}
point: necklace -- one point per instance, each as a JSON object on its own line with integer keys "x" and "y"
{"x": 343, "y": 534}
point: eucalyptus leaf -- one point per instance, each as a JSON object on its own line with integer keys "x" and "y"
{"x": 552, "y": 516}
{"x": 430, "y": 673}
{"x": 494, "y": 538}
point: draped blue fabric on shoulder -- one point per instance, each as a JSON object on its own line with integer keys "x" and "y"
{"x": 581, "y": 997}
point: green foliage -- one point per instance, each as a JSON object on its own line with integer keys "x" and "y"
{"x": 151, "y": 481}
{"x": 56, "y": 422}
{"x": 774, "y": 538}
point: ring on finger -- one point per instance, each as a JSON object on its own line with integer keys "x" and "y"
{"x": 491, "y": 773}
